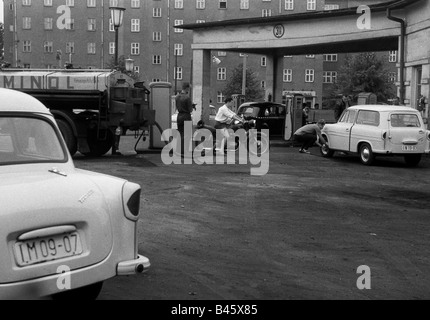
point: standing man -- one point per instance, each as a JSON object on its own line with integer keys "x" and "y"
{"x": 341, "y": 106}
{"x": 309, "y": 134}
{"x": 224, "y": 119}
{"x": 184, "y": 107}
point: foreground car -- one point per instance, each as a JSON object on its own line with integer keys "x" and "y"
{"x": 371, "y": 130}
{"x": 55, "y": 218}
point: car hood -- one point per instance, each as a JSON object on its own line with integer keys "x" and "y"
{"x": 40, "y": 199}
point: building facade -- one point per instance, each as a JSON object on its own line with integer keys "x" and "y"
{"x": 49, "y": 33}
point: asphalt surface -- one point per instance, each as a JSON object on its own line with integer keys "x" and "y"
{"x": 299, "y": 232}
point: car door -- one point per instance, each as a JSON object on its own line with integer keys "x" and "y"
{"x": 339, "y": 137}
{"x": 368, "y": 128}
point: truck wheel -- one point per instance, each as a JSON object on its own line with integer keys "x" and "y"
{"x": 412, "y": 160}
{"x": 68, "y": 136}
{"x": 99, "y": 147}
{"x": 366, "y": 154}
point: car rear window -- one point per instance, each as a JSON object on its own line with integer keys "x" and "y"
{"x": 29, "y": 140}
{"x": 404, "y": 121}
{"x": 368, "y": 118}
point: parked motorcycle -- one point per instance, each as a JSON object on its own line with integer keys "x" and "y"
{"x": 256, "y": 144}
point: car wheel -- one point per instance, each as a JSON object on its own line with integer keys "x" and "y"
{"x": 366, "y": 154}
{"x": 326, "y": 151}
{"x": 258, "y": 144}
{"x": 68, "y": 136}
{"x": 99, "y": 147}
{"x": 89, "y": 293}
{"x": 412, "y": 160}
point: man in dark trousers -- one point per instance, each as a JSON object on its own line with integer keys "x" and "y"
{"x": 341, "y": 106}
{"x": 309, "y": 134}
{"x": 184, "y": 106}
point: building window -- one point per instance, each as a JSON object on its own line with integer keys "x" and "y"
{"x": 392, "y": 77}
{"x": 48, "y": 47}
{"x": 179, "y": 4}
{"x": 178, "y": 23}
{"x": 70, "y": 47}
{"x": 220, "y": 97}
{"x": 91, "y": 3}
{"x": 221, "y": 74}
{"x": 223, "y": 4}
{"x": 91, "y": 48}
{"x": 179, "y": 73}
{"x": 70, "y": 25}
{"x": 200, "y": 4}
{"x": 309, "y": 75}
{"x": 288, "y": 75}
{"x": 263, "y": 84}
{"x": 156, "y": 12}
{"x": 329, "y": 76}
{"x": 311, "y": 5}
{"x": 329, "y": 7}
{"x": 156, "y": 59}
{"x": 135, "y": 48}
{"x": 111, "y": 48}
{"x": 266, "y": 12}
{"x": 135, "y": 25}
{"x": 49, "y": 23}
{"x": 26, "y": 2}
{"x": 26, "y": 46}
{"x": 179, "y": 49}
{"x": 26, "y": 23}
{"x": 244, "y": 4}
{"x": 263, "y": 61}
{"x": 310, "y": 56}
{"x": 136, "y": 69}
{"x": 289, "y": 5}
{"x": 156, "y": 36}
{"x": 330, "y": 57}
{"x": 92, "y": 25}
{"x": 392, "y": 56}
{"x": 135, "y": 4}
{"x": 47, "y": 3}
{"x": 70, "y": 3}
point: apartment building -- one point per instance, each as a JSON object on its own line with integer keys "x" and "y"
{"x": 49, "y": 33}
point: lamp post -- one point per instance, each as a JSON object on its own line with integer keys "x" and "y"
{"x": 117, "y": 17}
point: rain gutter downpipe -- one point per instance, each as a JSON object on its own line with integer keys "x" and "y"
{"x": 401, "y": 52}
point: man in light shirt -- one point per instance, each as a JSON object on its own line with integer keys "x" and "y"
{"x": 224, "y": 120}
{"x": 309, "y": 134}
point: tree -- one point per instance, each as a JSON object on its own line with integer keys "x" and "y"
{"x": 364, "y": 72}
{"x": 253, "y": 91}
{"x": 121, "y": 67}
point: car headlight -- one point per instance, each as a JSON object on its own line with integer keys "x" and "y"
{"x": 131, "y": 200}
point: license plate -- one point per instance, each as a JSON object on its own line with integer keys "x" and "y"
{"x": 409, "y": 148}
{"x": 47, "y": 249}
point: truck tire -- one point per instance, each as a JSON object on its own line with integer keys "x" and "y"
{"x": 69, "y": 137}
{"x": 99, "y": 147}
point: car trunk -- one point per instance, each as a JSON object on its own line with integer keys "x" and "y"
{"x": 407, "y": 140}
{"x": 49, "y": 220}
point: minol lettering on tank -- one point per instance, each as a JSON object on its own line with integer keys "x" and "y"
{"x": 36, "y": 82}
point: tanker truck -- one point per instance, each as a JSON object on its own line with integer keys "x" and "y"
{"x": 88, "y": 105}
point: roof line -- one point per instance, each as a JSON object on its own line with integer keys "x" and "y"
{"x": 393, "y": 4}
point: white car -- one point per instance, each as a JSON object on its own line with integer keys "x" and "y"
{"x": 63, "y": 231}
{"x": 371, "y": 130}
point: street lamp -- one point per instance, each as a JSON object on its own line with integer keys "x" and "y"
{"x": 117, "y": 17}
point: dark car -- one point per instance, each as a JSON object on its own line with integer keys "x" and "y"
{"x": 268, "y": 115}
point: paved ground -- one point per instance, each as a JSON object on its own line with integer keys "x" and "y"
{"x": 299, "y": 232}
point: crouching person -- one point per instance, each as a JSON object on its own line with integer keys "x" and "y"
{"x": 308, "y": 135}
